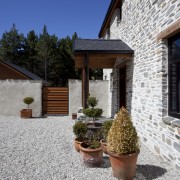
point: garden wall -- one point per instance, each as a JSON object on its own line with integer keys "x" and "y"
{"x": 97, "y": 88}
{"x": 12, "y": 93}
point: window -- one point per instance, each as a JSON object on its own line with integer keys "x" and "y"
{"x": 174, "y": 76}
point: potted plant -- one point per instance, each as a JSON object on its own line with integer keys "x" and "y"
{"x": 91, "y": 151}
{"x": 91, "y": 111}
{"x": 27, "y": 113}
{"x": 79, "y": 130}
{"x": 105, "y": 129}
{"x": 123, "y": 146}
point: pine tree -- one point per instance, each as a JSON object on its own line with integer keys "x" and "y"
{"x": 31, "y": 53}
{"x": 46, "y": 46}
{"x": 12, "y": 46}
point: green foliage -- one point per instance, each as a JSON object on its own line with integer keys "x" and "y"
{"x": 28, "y": 101}
{"x": 106, "y": 127}
{"x": 95, "y": 74}
{"x": 12, "y": 46}
{"x": 44, "y": 55}
{"x": 46, "y": 47}
{"x": 98, "y": 112}
{"x": 92, "y": 101}
{"x": 94, "y": 144}
{"x": 91, "y": 111}
{"x": 122, "y": 137}
{"x": 80, "y": 130}
{"x": 31, "y": 63}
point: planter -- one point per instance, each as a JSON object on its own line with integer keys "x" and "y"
{"x": 76, "y": 145}
{"x": 91, "y": 157}
{"x": 104, "y": 146}
{"x": 74, "y": 115}
{"x": 26, "y": 113}
{"x": 124, "y": 167}
{"x": 94, "y": 128}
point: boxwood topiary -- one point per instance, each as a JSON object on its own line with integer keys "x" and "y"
{"x": 92, "y": 111}
{"x": 105, "y": 128}
{"x": 80, "y": 130}
{"x": 122, "y": 137}
{"x": 28, "y": 101}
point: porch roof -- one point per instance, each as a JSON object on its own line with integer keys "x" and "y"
{"x": 101, "y": 53}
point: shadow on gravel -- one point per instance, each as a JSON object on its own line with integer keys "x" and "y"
{"x": 148, "y": 172}
{"x": 105, "y": 164}
{"x": 42, "y": 117}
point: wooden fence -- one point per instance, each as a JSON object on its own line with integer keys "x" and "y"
{"x": 55, "y": 100}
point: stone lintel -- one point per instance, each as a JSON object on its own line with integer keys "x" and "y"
{"x": 171, "y": 30}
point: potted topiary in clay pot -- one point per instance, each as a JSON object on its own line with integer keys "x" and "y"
{"x": 105, "y": 129}
{"x": 123, "y": 146}
{"x": 91, "y": 151}
{"x": 27, "y": 113}
{"x": 79, "y": 130}
{"x": 91, "y": 111}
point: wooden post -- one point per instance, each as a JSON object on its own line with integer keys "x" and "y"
{"x": 85, "y": 81}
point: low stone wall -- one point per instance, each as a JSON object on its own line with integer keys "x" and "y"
{"x": 12, "y": 93}
{"x": 97, "y": 88}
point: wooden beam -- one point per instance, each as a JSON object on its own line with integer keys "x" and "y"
{"x": 85, "y": 81}
{"x": 99, "y": 60}
{"x": 109, "y": 55}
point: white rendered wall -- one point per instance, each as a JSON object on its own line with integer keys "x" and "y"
{"x": 97, "y": 88}
{"x": 12, "y": 93}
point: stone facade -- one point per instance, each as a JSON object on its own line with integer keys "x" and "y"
{"x": 147, "y": 73}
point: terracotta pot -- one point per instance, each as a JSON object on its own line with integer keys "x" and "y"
{"x": 76, "y": 145}
{"x": 91, "y": 157}
{"x": 124, "y": 167}
{"x": 104, "y": 146}
{"x": 26, "y": 113}
{"x": 74, "y": 115}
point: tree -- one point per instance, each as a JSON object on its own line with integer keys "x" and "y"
{"x": 12, "y": 46}
{"x": 46, "y": 46}
{"x": 31, "y": 53}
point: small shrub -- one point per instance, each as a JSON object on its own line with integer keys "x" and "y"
{"x": 94, "y": 144}
{"x": 106, "y": 127}
{"x": 92, "y": 101}
{"x": 80, "y": 129}
{"x": 28, "y": 101}
{"x": 122, "y": 137}
{"x": 91, "y": 111}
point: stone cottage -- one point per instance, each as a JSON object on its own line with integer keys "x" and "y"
{"x": 147, "y": 82}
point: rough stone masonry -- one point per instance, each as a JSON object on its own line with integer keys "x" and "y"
{"x": 146, "y": 73}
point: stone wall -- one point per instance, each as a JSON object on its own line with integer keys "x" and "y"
{"x": 97, "y": 88}
{"x": 147, "y": 78}
{"x": 12, "y": 93}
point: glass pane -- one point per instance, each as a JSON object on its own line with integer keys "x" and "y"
{"x": 175, "y": 45}
{"x": 174, "y": 90}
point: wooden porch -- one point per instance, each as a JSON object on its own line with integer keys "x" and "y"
{"x": 97, "y": 53}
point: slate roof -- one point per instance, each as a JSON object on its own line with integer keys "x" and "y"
{"x": 101, "y": 45}
{"x": 22, "y": 71}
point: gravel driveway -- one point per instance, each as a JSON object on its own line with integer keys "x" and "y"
{"x": 42, "y": 149}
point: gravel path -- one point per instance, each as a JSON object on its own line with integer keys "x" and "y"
{"x": 42, "y": 149}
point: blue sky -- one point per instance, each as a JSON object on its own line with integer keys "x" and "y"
{"x": 62, "y": 17}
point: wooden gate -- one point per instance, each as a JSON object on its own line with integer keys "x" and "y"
{"x": 55, "y": 100}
